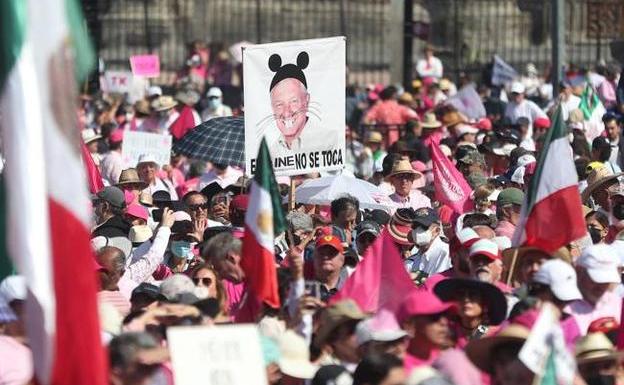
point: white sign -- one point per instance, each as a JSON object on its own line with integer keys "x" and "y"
{"x": 136, "y": 143}
{"x": 468, "y": 102}
{"x": 117, "y": 81}
{"x": 216, "y": 355}
{"x": 502, "y": 73}
{"x": 295, "y": 98}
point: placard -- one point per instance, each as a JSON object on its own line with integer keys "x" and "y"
{"x": 216, "y": 355}
{"x": 136, "y": 143}
{"x": 145, "y": 65}
{"x": 295, "y": 98}
{"x": 117, "y": 81}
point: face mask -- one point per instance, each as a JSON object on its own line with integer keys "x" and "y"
{"x": 618, "y": 211}
{"x": 214, "y": 103}
{"x": 595, "y": 235}
{"x": 182, "y": 249}
{"x": 422, "y": 238}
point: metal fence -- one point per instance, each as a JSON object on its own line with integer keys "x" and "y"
{"x": 466, "y": 32}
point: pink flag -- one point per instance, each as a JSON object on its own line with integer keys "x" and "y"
{"x": 93, "y": 174}
{"x": 380, "y": 280}
{"x": 451, "y": 188}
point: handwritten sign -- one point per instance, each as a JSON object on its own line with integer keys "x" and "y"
{"x": 117, "y": 81}
{"x": 137, "y": 143}
{"x": 145, "y": 65}
{"x": 216, "y": 355}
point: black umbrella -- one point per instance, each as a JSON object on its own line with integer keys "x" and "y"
{"x": 219, "y": 140}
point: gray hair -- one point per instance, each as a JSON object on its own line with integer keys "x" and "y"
{"x": 299, "y": 221}
{"x": 220, "y": 246}
{"x": 123, "y": 349}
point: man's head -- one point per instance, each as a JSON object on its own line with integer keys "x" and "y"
{"x": 402, "y": 177}
{"x": 612, "y": 126}
{"x": 344, "y": 213}
{"x": 517, "y": 92}
{"x": 197, "y": 204}
{"x": 459, "y": 248}
{"x": 328, "y": 257}
{"x": 471, "y": 163}
{"x": 509, "y": 204}
{"x": 147, "y": 168}
{"x": 425, "y": 319}
{"x": 126, "y": 364}
{"x": 238, "y": 208}
{"x": 485, "y": 261}
{"x": 597, "y": 271}
{"x": 113, "y": 262}
{"x": 601, "y": 149}
{"x": 108, "y": 203}
{"x": 555, "y": 282}
{"x": 426, "y": 228}
{"x": 367, "y": 232}
{"x": 529, "y": 262}
{"x": 224, "y": 252}
{"x": 379, "y": 369}
{"x": 301, "y": 226}
{"x": 336, "y": 332}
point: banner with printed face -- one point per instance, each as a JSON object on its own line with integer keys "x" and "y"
{"x": 295, "y": 97}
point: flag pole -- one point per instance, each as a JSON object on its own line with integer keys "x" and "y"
{"x": 513, "y": 266}
{"x": 291, "y": 195}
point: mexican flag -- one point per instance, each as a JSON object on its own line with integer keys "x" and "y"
{"x": 43, "y": 49}
{"x": 263, "y": 220}
{"x": 591, "y": 105}
{"x": 551, "y": 215}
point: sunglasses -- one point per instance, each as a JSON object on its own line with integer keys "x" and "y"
{"x": 202, "y": 206}
{"x": 205, "y": 281}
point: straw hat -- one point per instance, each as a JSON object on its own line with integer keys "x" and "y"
{"x": 595, "y": 347}
{"x": 164, "y": 103}
{"x": 130, "y": 176}
{"x": 480, "y": 351}
{"x": 430, "y": 121}
{"x": 188, "y": 97}
{"x": 406, "y": 97}
{"x": 335, "y": 315}
{"x": 403, "y": 166}
{"x": 374, "y": 137}
{"x": 596, "y": 179}
{"x": 142, "y": 106}
{"x": 452, "y": 118}
{"x": 400, "y": 226}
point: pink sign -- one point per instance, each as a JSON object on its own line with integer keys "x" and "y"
{"x": 145, "y": 65}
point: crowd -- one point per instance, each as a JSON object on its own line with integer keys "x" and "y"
{"x": 168, "y": 237}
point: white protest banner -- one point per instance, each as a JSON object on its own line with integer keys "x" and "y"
{"x": 502, "y": 73}
{"x": 136, "y": 143}
{"x": 117, "y": 81}
{"x": 216, "y": 355}
{"x": 294, "y": 97}
{"x": 468, "y": 102}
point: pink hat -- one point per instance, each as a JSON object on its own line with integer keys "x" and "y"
{"x": 484, "y": 124}
{"x": 485, "y": 247}
{"x": 373, "y": 96}
{"x": 116, "y": 136}
{"x": 421, "y": 302}
{"x": 137, "y": 211}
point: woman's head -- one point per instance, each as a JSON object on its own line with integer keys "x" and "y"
{"x": 206, "y": 277}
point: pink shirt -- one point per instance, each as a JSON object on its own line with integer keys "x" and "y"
{"x": 415, "y": 200}
{"x": 411, "y": 362}
{"x": 235, "y": 292}
{"x": 505, "y": 229}
{"x": 610, "y": 305}
{"x": 16, "y": 362}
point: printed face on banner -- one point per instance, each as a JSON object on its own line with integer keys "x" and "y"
{"x": 294, "y": 97}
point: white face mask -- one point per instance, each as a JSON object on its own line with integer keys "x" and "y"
{"x": 422, "y": 238}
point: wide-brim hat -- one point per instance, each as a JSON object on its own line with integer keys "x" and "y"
{"x": 399, "y": 228}
{"x": 188, "y": 97}
{"x": 479, "y": 351}
{"x": 452, "y": 118}
{"x": 403, "y": 166}
{"x": 130, "y": 176}
{"x": 492, "y": 297}
{"x": 430, "y": 121}
{"x": 163, "y": 103}
{"x": 335, "y": 315}
{"x": 597, "y": 178}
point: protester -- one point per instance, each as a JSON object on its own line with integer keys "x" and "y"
{"x": 112, "y": 163}
{"x": 432, "y": 255}
{"x": 402, "y": 177}
{"x": 215, "y": 107}
{"x": 429, "y": 66}
{"x": 148, "y": 168}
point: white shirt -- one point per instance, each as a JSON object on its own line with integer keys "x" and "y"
{"x": 568, "y": 105}
{"x": 230, "y": 176}
{"x": 111, "y": 167}
{"x": 526, "y": 109}
{"x": 220, "y": 111}
{"x": 435, "y": 260}
{"x": 430, "y": 68}
{"x": 162, "y": 185}
{"x": 615, "y": 153}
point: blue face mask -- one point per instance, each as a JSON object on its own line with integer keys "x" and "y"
{"x": 214, "y": 103}
{"x": 182, "y": 249}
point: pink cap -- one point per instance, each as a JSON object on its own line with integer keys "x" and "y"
{"x": 116, "y": 136}
{"x": 421, "y": 302}
{"x": 373, "y": 96}
{"x": 484, "y": 124}
{"x": 137, "y": 211}
{"x": 541, "y": 123}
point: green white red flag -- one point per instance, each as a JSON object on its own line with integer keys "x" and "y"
{"x": 551, "y": 215}
{"x": 43, "y": 51}
{"x": 263, "y": 220}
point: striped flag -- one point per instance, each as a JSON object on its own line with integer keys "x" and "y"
{"x": 551, "y": 215}
{"x": 42, "y": 48}
{"x": 264, "y": 219}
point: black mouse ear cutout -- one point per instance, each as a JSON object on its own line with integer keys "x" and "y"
{"x": 303, "y": 60}
{"x": 275, "y": 62}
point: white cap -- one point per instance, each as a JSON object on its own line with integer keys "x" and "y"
{"x": 214, "y": 91}
{"x": 382, "y": 327}
{"x": 446, "y": 150}
{"x": 485, "y": 247}
{"x": 560, "y": 277}
{"x": 89, "y": 135}
{"x": 502, "y": 242}
{"x": 147, "y": 158}
{"x": 295, "y": 356}
{"x": 154, "y": 91}
{"x": 601, "y": 263}
{"x": 13, "y": 288}
{"x": 525, "y": 159}
{"x": 462, "y": 129}
{"x": 517, "y": 87}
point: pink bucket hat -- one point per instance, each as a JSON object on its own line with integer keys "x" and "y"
{"x": 137, "y": 211}
{"x": 116, "y": 136}
{"x": 421, "y": 302}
